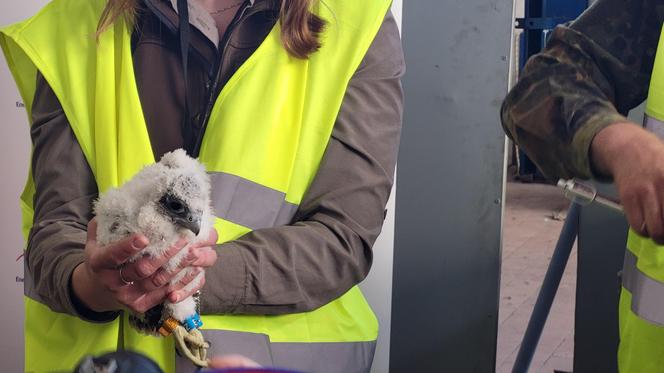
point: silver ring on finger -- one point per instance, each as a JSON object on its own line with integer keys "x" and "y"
{"x": 125, "y": 282}
{"x": 644, "y": 229}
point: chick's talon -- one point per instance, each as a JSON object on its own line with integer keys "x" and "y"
{"x": 195, "y": 337}
{"x": 192, "y": 345}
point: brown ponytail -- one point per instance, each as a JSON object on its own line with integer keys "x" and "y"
{"x": 300, "y": 28}
{"x": 115, "y": 9}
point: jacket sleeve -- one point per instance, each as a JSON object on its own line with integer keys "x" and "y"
{"x": 590, "y": 75}
{"x": 328, "y": 249}
{"x": 65, "y": 188}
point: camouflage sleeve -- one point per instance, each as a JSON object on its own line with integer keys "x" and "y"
{"x": 591, "y": 73}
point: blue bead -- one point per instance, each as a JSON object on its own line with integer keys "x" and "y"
{"x": 193, "y": 322}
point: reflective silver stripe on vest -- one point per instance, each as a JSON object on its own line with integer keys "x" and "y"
{"x": 654, "y": 125}
{"x": 337, "y": 357}
{"x": 647, "y": 293}
{"x": 249, "y": 204}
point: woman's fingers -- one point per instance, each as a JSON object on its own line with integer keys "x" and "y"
{"x": 139, "y": 301}
{"x": 137, "y": 298}
{"x": 163, "y": 276}
{"x": 189, "y": 276}
{"x": 211, "y": 239}
{"x": 115, "y": 254}
{"x": 187, "y": 286}
{"x": 148, "y": 265}
{"x": 205, "y": 256}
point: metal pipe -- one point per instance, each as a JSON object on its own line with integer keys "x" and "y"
{"x": 585, "y": 194}
{"x": 548, "y": 290}
{"x": 580, "y": 194}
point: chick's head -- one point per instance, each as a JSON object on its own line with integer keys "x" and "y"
{"x": 181, "y": 194}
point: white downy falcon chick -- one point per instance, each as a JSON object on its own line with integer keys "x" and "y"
{"x": 164, "y": 201}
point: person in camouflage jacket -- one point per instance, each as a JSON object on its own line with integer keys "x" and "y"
{"x": 568, "y": 110}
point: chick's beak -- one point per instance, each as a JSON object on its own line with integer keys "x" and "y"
{"x": 193, "y": 223}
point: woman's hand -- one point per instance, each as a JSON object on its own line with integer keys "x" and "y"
{"x": 142, "y": 284}
{"x": 203, "y": 255}
{"x": 634, "y": 158}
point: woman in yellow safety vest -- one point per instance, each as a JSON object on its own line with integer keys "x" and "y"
{"x": 293, "y": 106}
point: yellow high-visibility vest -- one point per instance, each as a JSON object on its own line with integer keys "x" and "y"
{"x": 641, "y": 313}
{"x": 266, "y": 159}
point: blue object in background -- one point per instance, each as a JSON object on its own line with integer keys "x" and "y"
{"x": 542, "y": 16}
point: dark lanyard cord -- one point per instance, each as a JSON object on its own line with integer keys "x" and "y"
{"x": 184, "y": 31}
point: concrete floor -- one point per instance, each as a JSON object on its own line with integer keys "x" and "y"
{"x": 533, "y": 219}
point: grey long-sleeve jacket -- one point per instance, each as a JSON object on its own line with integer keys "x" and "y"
{"x": 322, "y": 254}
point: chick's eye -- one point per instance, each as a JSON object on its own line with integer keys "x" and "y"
{"x": 175, "y": 206}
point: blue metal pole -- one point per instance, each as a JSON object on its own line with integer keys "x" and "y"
{"x": 548, "y": 291}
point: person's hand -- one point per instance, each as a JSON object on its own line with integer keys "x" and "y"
{"x": 203, "y": 255}
{"x": 142, "y": 284}
{"x": 634, "y": 158}
{"x": 232, "y": 361}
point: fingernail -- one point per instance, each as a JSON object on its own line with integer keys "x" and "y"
{"x": 176, "y": 298}
{"x": 193, "y": 255}
{"x": 139, "y": 243}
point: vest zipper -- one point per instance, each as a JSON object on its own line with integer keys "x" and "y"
{"x": 215, "y": 85}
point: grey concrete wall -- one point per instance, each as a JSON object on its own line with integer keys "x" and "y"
{"x": 450, "y": 186}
